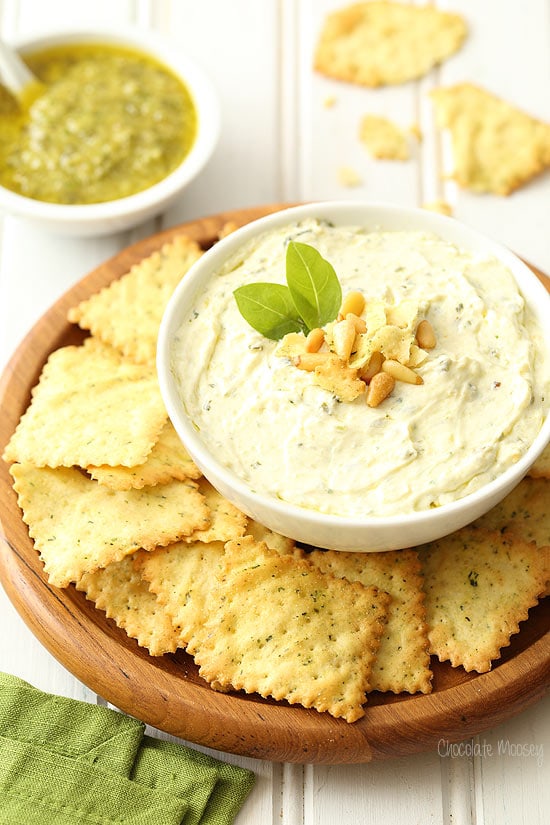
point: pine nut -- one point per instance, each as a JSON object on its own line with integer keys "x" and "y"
{"x": 401, "y": 373}
{"x": 359, "y": 323}
{"x": 353, "y": 302}
{"x": 315, "y": 340}
{"x": 310, "y": 360}
{"x": 380, "y": 387}
{"x": 343, "y": 333}
{"x": 425, "y": 336}
{"x": 373, "y": 367}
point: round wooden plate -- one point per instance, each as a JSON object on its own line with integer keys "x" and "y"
{"x": 167, "y": 692}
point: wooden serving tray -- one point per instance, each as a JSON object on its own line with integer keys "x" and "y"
{"x": 167, "y": 692}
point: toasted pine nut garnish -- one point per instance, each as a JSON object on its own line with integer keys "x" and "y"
{"x": 343, "y": 334}
{"x": 315, "y": 340}
{"x": 359, "y": 323}
{"x": 400, "y": 372}
{"x": 372, "y": 368}
{"x": 353, "y": 302}
{"x": 380, "y": 387}
{"x": 310, "y": 360}
{"x": 425, "y": 336}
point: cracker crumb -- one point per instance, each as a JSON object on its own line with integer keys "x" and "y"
{"x": 383, "y": 139}
{"x": 348, "y": 177}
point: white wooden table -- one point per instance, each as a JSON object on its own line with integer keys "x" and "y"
{"x": 281, "y": 143}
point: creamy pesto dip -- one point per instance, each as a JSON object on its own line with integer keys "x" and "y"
{"x": 483, "y": 399}
{"x": 110, "y": 122}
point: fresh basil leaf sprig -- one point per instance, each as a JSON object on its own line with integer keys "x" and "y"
{"x": 311, "y": 298}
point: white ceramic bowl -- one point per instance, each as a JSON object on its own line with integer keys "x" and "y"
{"x": 308, "y": 526}
{"x": 117, "y": 215}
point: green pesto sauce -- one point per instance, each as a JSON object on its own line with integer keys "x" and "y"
{"x": 111, "y": 122}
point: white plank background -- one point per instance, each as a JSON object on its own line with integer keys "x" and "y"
{"x": 280, "y": 143}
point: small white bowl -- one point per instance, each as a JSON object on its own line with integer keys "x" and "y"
{"x": 308, "y": 526}
{"x": 117, "y": 215}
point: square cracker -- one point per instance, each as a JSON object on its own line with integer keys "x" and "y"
{"x": 182, "y": 578}
{"x": 496, "y": 147}
{"x": 276, "y": 541}
{"x": 282, "y": 628}
{"x": 479, "y": 585}
{"x": 380, "y": 43}
{"x": 127, "y": 313}
{"x": 541, "y": 467}
{"x": 226, "y": 521}
{"x": 525, "y": 512}
{"x": 168, "y": 460}
{"x": 119, "y": 590}
{"x": 91, "y": 406}
{"x": 403, "y": 659}
{"x": 79, "y": 526}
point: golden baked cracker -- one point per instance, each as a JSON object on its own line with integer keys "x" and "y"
{"x": 275, "y": 541}
{"x": 226, "y": 521}
{"x": 119, "y": 590}
{"x": 167, "y": 460}
{"x": 393, "y": 342}
{"x": 403, "y": 660}
{"x": 383, "y": 139}
{"x": 541, "y": 467}
{"x": 182, "y": 577}
{"x": 382, "y": 43}
{"x": 338, "y": 378}
{"x": 479, "y": 585}
{"x": 282, "y": 628}
{"x": 127, "y": 313}
{"x": 291, "y": 345}
{"x": 78, "y": 525}
{"x": 525, "y": 512}
{"x": 496, "y": 147}
{"x": 91, "y": 406}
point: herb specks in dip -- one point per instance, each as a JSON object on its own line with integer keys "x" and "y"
{"x": 482, "y": 401}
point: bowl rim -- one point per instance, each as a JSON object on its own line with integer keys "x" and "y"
{"x": 531, "y": 288}
{"x": 203, "y": 95}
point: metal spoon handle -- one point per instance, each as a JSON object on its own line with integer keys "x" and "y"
{"x": 14, "y": 74}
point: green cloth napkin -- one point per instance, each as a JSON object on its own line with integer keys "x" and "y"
{"x": 67, "y": 762}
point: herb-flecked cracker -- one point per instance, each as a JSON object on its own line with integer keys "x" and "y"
{"x": 541, "y": 467}
{"x": 182, "y": 577}
{"x": 127, "y": 313}
{"x": 525, "y": 512}
{"x": 276, "y": 541}
{"x": 167, "y": 460}
{"x": 479, "y": 585}
{"x": 119, "y": 590}
{"x": 226, "y": 521}
{"x": 496, "y": 147}
{"x": 91, "y": 406}
{"x": 381, "y": 43}
{"x": 282, "y": 628}
{"x": 79, "y": 526}
{"x": 403, "y": 659}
